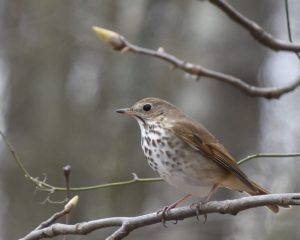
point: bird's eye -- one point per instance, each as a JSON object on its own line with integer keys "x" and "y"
{"x": 147, "y": 107}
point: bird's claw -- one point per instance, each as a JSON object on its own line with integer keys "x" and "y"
{"x": 164, "y": 211}
{"x": 197, "y": 206}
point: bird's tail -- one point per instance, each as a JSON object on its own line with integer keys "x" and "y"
{"x": 262, "y": 191}
{"x": 251, "y": 188}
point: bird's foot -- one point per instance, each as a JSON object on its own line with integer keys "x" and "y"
{"x": 198, "y": 207}
{"x": 164, "y": 211}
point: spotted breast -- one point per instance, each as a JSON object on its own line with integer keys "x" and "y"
{"x": 175, "y": 163}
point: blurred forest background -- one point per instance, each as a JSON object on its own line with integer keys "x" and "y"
{"x": 60, "y": 85}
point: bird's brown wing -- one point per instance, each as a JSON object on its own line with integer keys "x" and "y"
{"x": 198, "y": 137}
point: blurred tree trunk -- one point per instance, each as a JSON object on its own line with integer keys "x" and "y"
{"x": 38, "y": 54}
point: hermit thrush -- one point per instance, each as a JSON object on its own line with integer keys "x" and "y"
{"x": 185, "y": 154}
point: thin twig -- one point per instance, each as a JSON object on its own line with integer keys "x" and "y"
{"x": 268, "y": 155}
{"x": 120, "y": 43}
{"x": 128, "y": 224}
{"x": 15, "y": 155}
{"x": 254, "y": 29}
{"x": 42, "y": 185}
{"x": 51, "y": 220}
{"x": 67, "y": 174}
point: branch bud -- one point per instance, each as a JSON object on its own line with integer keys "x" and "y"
{"x": 112, "y": 38}
{"x": 71, "y": 204}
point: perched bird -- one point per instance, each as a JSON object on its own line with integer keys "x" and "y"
{"x": 185, "y": 154}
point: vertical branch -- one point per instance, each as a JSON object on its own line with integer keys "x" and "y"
{"x": 287, "y": 14}
{"x": 67, "y": 172}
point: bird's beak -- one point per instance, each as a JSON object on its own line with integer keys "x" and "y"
{"x": 127, "y": 111}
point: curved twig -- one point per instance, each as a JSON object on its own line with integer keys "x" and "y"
{"x": 120, "y": 43}
{"x": 254, "y": 29}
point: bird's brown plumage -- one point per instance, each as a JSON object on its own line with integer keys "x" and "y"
{"x": 197, "y": 137}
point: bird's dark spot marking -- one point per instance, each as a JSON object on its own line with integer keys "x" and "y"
{"x": 169, "y": 155}
{"x": 153, "y": 143}
{"x": 150, "y": 152}
{"x": 148, "y": 140}
{"x": 174, "y": 159}
{"x": 157, "y": 133}
{"x": 157, "y": 155}
{"x": 160, "y": 142}
{"x": 146, "y": 149}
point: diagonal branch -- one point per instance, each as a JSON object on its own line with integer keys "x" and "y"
{"x": 119, "y": 43}
{"x": 127, "y": 224}
{"x": 254, "y": 29}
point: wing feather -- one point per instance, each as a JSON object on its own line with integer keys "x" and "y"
{"x": 198, "y": 137}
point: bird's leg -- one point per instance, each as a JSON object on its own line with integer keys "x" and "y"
{"x": 198, "y": 205}
{"x": 166, "y": 209}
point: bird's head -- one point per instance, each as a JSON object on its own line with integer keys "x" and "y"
{"x": 150, "y": 110}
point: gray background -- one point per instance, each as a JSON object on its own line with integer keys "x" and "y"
{"x": 60, "y": 85}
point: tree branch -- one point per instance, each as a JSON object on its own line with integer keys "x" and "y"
{"x": 128, "y": 224}
{"x": 119, "y": 43}
{"x": 254, "y": 29}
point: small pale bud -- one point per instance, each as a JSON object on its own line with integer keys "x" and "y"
{"x": 160, "y": 50}
{"x": 71, "y": 204}
{"x": 112, "y": 38}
